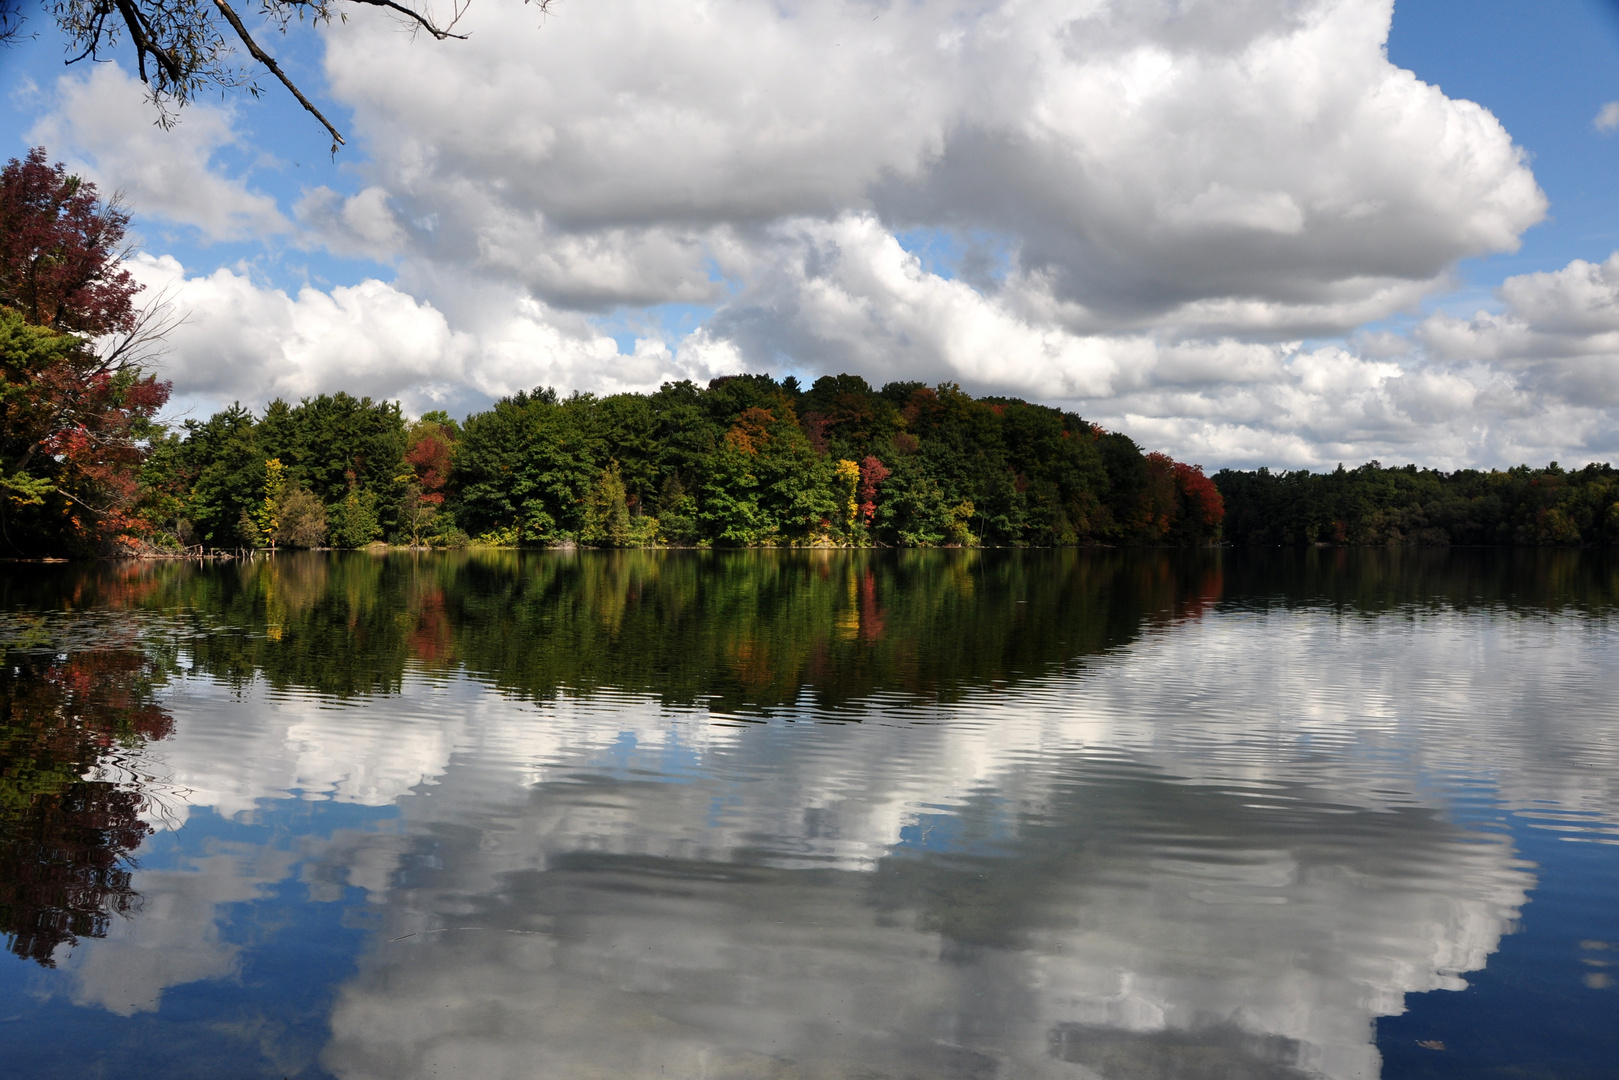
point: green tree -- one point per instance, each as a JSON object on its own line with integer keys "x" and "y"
{"x": 301, "y": 519}
{"x": 353, "y": 522}
{"x": 607, "y": 516}
{"x": 330, "y": 440}
{"x": 222, "y": 453}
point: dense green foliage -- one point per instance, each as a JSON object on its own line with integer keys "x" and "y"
{"x": 1377, "y": 505}
{"x": 746, "y": 461}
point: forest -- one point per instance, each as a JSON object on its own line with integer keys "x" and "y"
{"x": 1378, "y": 505}
{"x": 745, "y": 461}
{"x": 88, "y": 467}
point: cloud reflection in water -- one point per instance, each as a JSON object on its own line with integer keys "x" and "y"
{"x": 1224, "y": 847}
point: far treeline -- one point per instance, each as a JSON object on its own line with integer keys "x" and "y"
{"x": 1375, "y": 505}
{"x": 745, "y": 461}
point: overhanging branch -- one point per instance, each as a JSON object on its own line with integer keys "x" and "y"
{"x": 275, "y": 69}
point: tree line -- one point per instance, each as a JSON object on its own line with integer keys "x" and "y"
{"x": 86, "y": 467}
{"x": 1379, "y": 505}
{"x": 745, "y": 461}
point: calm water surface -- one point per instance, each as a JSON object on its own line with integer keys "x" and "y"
{"x": 938, "y": 814}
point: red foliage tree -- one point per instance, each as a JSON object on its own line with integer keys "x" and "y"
{"x": 74, "y": 416}
{"x": 1182, "y": 505}
{"x": 872, "y": 474}
{"x": 1200, "y": 499}
{"x": 61, "y": 255}
{"x": 430, "y": 455}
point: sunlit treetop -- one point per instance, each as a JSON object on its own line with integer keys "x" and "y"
{"x": 62, "y": 250}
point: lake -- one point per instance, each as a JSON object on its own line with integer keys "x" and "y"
{"x": 1047, "y": 814}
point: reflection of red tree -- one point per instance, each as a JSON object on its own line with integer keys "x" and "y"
{"x": 871, "y": 614}
{"x": 1203, "y": 595}
{"x": 432, "y": 641}
{"x": 64, "y": 840}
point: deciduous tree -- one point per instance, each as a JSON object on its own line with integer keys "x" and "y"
{"x": 76, "y": 408}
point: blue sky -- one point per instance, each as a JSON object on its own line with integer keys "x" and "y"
{"x": 1234, "y": 229}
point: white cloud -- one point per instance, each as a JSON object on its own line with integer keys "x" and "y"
{"x": 1264, "y": 168}
{"x": 362, "y": 224}
{"x": 845, "y": 296}
{"x": 105, "y": 122}
{"x": 1558, "y": 334}
{"x": 1181, "y": 195}
{"x": 245, "y": 341}
{"x": 1607, "y": 118}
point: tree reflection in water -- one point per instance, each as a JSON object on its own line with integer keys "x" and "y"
{"x": 65, "y": 840}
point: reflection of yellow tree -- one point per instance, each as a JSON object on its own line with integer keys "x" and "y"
{"x": 289, "y": 586}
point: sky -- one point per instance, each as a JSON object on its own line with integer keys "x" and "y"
{"x": 1289, "y": 233}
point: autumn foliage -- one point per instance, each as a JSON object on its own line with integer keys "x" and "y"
{"x": 75, "y": 406}
{"x": 60, "y": 254}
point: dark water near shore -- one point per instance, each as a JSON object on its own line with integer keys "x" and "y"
{"x": 813, "y": 815}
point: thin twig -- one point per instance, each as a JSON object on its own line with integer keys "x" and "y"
{"x": 425, "y": 23}
{"x": 275, "y": 69}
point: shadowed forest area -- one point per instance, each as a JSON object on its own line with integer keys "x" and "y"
{"x": 1374, "y": 505}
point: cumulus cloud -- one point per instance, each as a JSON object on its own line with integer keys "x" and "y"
{"x": 1193, "y": 206}
{"x": 363, "y": 224}
{"x": 846, "y": 293}
{"x": 1558, "y": 334}
{"x": 1263, "y": 167}
{"x": 247, "y": 341}
{"x": 105, "y": 123}
{"x": 1607, "y": 118}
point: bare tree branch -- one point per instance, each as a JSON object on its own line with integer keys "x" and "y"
{"x": 275, "y": 69}
{"x": 422, "y": 21}
{"x": 144, "y": 342}
{"x": 140, "y": 35}
{"x": 189, "y": 48}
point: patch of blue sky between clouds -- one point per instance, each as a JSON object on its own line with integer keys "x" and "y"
{"x": 979, "y": 257}
{"x": 1545, "y": 70}
{"x": 668, "y": 323}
